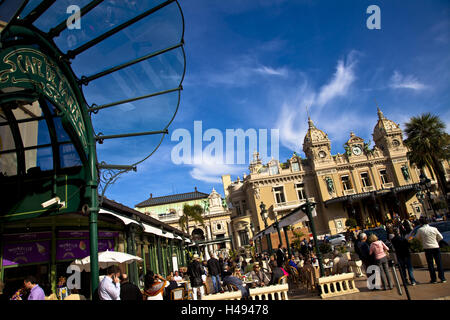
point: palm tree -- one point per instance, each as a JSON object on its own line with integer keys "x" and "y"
{"x": 428, "y": 144}
{"x": 194, "y": 212}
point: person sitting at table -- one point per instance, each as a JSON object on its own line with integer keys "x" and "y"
{"x": 230, "y": 279}
{"x": 277, "y": 273}
{"x": 292, "y": 263}
{"x": 260, "y": 277}
{"x": 177, "y": 277}
{"x": 154, "y": 286}
{"x": 340, "y": 262}
{"x": 172, "y": 285}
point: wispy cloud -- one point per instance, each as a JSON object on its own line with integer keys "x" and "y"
{"x": 271, "y": 71}
{"x": 340, "y": 82}
{"x": 210, "y": 169}
{"x": 399, "y": 81}
{"x": 293, "y": 107}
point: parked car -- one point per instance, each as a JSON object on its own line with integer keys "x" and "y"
{"x": 442, "y": 226}
{"x": 337, "y": 239}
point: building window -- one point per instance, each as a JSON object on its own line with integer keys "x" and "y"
{"x": 238, "y": 208}
{"x": 273, "y": 169}
{"x": 279, "y": 194}
{"x": 365, "y": 179}
{"x": 383, "y": 176}
{"x": 346, "y": 184}
{"x": 338, "y": 224}
{"x": 243, "y": 236}
{"x": 295, "y": 166}
{"x": 244, "y": 207}
{"x": 300, "y": 187}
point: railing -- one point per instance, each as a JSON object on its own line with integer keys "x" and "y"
{"x": 388, "y": 185}
{"x": 337, "y": 285}
{"x": 368, "y": 189}
{"x": 349, "y": 192}
{"x": 233, "y": 295}
{"x": 286, "y": 205}
{"x": 275, "y": 292}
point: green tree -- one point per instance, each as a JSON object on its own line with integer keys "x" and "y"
{"x": 351, "y": 223}
{"x": 194, "y": 212}
{"x": 429, "y": 144}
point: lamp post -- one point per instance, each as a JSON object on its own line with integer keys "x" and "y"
{"x": 277, "y": 226}
{"x": 252, "y": 227}
{"x": 425, "y": 185}
{"x": 264, "y": 216}
{"x": 307, "y": 208}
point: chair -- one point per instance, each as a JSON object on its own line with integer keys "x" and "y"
{"x": 283, "y": 280}
{"x": 188, "y": 293}
{"x": 177, "y": 294}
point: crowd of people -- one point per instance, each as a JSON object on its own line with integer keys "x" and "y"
{"x": 373, "y": 251}
{"x": 219, "y": 273}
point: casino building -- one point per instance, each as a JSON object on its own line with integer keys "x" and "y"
{"x": 369, "y": 185}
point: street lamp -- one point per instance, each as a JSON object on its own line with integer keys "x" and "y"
{"x": 425, "y": 185}
{"x": 264, "y": 216}
{"x": 277, "y": 225}
{"x": 307, "y": 208}
{"x": 252, "y": 227}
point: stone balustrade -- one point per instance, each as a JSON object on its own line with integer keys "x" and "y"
{"x": 355, "y": 267}
{"x": 233, "y": 295}
{"x": 276, "y": 292}
{"x": 337, "y": 285}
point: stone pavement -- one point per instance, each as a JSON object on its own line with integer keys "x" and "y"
{"x": 422, "y": 291}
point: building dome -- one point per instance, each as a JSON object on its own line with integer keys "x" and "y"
{"x": 384, "y": 125}
{"x": 313, "y": 134}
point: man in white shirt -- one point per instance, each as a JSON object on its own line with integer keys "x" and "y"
{"x": 430, "y": 237}
{"x": 177, "y": 277}
{"x": 109, "y": 288}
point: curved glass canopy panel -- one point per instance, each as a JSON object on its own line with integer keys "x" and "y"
{"x": 128, "y": 57}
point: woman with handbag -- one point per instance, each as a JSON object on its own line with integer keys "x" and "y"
{"x": 379, "y": 251}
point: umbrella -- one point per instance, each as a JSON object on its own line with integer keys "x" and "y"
{"x": 106, "y": 259}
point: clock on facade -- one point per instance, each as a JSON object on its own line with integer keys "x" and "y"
{"x": 356, "y": 150}
{"x": 322, "y": 154}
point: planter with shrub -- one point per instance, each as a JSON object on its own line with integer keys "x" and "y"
{"x": 418, "y": 259}
{"x": 445, "y": 257}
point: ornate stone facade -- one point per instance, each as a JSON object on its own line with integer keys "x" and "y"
{"x": 369, "y": 185}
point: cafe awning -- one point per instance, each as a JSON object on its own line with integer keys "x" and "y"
{"x": 290, "y": 219}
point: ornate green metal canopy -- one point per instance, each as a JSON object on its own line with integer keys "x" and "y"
{"x": 74, "y": 76}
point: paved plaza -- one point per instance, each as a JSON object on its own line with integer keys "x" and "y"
{"x": 422, "y": 291}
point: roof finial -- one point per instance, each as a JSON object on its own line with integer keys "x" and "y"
{"x": 310, "y": 122}
{"x": 380, "y": 114}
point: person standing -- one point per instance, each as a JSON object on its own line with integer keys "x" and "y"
{"x": 280, "y": 256}
{"x": 195, "y": 272}
{"x": 430, "y": 237}
{"x": 215, "y": 271}
{"x": 401, "y": 247}
{"x": 129, "y": 291}
{"x": 362, "y": 248}
{"x": 109, "y": 288}
{"x": 378, "y": 249}
{"x": 36, "y": 292}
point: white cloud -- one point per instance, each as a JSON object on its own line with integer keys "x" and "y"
{"x": 398, "y": 81}
{"x": 211, "y": 169}
{"x": 270, "y": 71}
{"x": 341, "y": 81}
{"x": 293, "y": 109}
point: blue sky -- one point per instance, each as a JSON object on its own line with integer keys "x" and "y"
{"x": 259, "y": 63}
